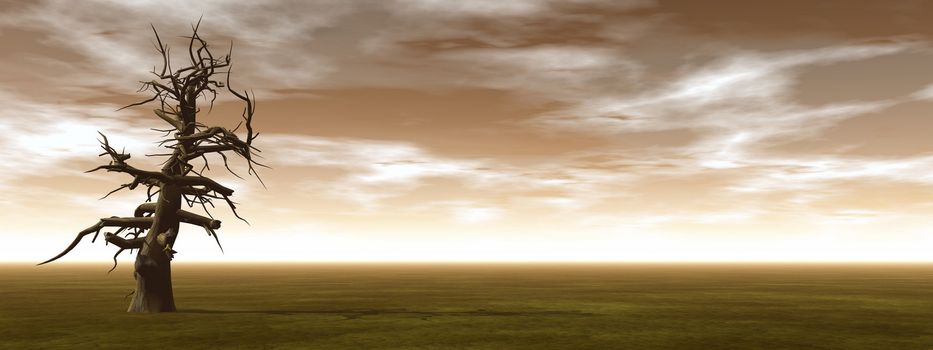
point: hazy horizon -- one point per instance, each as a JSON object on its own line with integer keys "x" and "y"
{"x": 496, "y": 131}
{"x": 737, "y": 263}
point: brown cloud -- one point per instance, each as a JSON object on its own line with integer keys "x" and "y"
{"x": 514, "y": 129}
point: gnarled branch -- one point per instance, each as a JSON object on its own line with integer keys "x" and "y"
{"x": 105, "y": 222}
{"x": 177, "y": 92}
{"x": 171, "y": 120}
{"x": 132, "y": 243}
{"x": 202, "y": 181}
{"x": 195, "y": 219}
{"x": 118, "y": 164}
{"x": 145, "y": 208}
{"x": 137, "y": 222}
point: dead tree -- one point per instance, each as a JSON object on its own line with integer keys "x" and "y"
{"x": 155, "y": 225}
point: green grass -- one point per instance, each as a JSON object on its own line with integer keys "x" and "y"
{"x": 67, "y": 306}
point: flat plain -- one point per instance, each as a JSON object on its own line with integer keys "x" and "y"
{"x": 476, "y": 306}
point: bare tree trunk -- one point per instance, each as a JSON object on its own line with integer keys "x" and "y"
{"x": 153, "y": 269}
{"x": 153, "y": 286}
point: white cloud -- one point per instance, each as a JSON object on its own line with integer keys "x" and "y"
{"x": 42, "y": 137}
{"x": 736, "y": 106}
{"x": 470, "y": 8}
{"x": 476, "y": 215}
{"x": 555, "y": 71}
{"x": 370, "y": 161}
{"x": 497, "y": 8}
{"x": 925, "y": 93}
{"x": 373, "y": 171}
{"x": 742, "y": 90}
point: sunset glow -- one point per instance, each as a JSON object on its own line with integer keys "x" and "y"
{"x": 497, "y": 131}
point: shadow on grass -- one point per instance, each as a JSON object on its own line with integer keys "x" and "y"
{"x": 359, "y": 313}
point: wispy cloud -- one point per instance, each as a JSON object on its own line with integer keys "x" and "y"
{"x": 103, "y": 38}
{"x": 738, "y": 106}
{"x": 44, "y": 138}
{"x": 668, "y": 132}
{"x": 373, "y": 171}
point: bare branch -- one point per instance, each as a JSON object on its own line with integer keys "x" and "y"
{"x": 195, "y": 219}
{"x": 115, "y": 255}
{"x": 173, "y": 121}
{"x": 145, "y": 208}
{"x": 74, "y": 243}
{"x": 115, "y": 191}
{"x": 112, "y": 221}
{"x": 116, "y": 233}
{"x": 118, "y": 164}
{"x": 137, "y": 222}
{"x": 233, "y": 209}
{"x": 140, "y": 103}
{"x": 134, "y": 243}
{"x": 211, "y": 232}
{"x": 177, "y": 92}
{"x": 202, "y": 181}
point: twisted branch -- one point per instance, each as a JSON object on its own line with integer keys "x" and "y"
{"x": 141, "y": 223}
{"x": 177, "y": 92}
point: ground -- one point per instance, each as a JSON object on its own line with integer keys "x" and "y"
{"x": 524, "y": 306}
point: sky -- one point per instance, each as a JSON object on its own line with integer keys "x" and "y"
{"x": 495, "y": 131}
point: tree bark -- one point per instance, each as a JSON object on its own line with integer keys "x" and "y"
{"x": 153, "y": 286}
{"x": 153, "y": 269}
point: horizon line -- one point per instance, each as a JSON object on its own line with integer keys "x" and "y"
{"x": 500, "y": 262}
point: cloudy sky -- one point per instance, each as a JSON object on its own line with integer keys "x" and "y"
{"x": 523, "y": 130}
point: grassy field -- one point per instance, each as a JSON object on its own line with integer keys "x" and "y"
{"x": 68, "y": 306}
